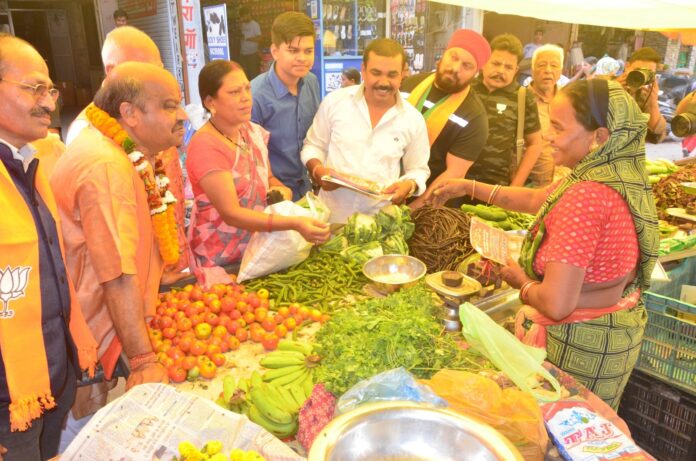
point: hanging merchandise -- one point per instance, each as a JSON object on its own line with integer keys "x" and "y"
{"x": 344, "y": 29}
{"x": 407, "y": 26}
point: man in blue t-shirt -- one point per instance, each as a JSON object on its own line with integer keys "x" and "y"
{"x": 287, "y": 97}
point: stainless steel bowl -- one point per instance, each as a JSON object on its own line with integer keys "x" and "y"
{"x": 409, "y": 431}
{"x": 391, "y": 272}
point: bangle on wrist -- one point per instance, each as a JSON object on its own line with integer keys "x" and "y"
{"x": 524, "y": 290}
{"x": 493, "y": 193}
{"x": 473, "y": 190}
{"x": 414, "y": 188}
{"x": 137, "y": 361}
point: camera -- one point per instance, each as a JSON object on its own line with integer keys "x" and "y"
{"x": 684, "y": 124}
{"x": 639, "y": 77}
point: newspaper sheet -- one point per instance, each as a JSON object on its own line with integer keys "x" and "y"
{"x": 148, "y": 423}
{"x": 488, "y": 241}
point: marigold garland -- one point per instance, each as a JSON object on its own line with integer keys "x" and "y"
{"x": 159, "y": 198}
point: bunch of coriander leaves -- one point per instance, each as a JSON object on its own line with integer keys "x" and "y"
{"x": 375, "y": 335}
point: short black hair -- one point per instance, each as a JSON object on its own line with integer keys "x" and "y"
{"x": 120, "y": 14}
{"x": 211, "y": 77}
{"x": 645, "y": 54}
{"x": 291, "y": 24}
{"x": 352, "y": 73}
{"x": 509, "y": 43}
{"x": 385, "y": 47}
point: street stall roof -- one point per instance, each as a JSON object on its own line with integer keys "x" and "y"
{"x": 628, "y": 14}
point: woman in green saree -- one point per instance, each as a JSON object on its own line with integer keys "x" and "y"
{"x": 590, "y": 252}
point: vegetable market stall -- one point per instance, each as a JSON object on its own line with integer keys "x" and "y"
{"x": 262, "y": 349}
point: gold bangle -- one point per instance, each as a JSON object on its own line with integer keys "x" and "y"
{"x": 524, "y": 290}
{"x": 473, "y": 190}
{"x": 494, "y": 192}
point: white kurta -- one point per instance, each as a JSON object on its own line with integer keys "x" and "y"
{"x": 342, "y": 138}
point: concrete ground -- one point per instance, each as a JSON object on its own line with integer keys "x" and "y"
{"x": 668, "y": 149}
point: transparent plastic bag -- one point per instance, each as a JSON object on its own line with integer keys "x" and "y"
{"x": 396, "y": 384}
{"x": 521, "y": 363}
{"x": 269, "y": 252}
{"x": 513, "y": 413}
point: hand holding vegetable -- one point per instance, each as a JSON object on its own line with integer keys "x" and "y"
{"x": 400, "y": 191}
{"x": 313, "y": 230}
{"x": 513, "y": 274}
{"x": 444, "y": 191}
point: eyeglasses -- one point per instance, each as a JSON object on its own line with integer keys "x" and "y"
{"x": 38, "y": 91}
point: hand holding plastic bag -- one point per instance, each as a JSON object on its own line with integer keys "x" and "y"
{"x": 269, "y": 252}
{"x": 521, "y": 363}
{"x": 396, "y": 384}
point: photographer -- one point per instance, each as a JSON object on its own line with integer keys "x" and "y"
{"x": 684, "y": 123}
{"x": 644, "y": 89}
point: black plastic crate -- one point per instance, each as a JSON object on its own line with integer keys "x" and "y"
{"x": 662, "y": 418}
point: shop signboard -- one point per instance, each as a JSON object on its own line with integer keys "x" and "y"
{"x": 193, "y": 45}
{"x": 138, "y": 8}
{"x": 215, "y": 18}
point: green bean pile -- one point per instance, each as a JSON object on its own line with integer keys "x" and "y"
{"x": 441, "y": 238}
{"x": 324, "y": 280}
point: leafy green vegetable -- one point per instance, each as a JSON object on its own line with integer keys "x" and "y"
{"x": 379, "y": 334}
{"x": 395, "y": 244}
{"x": 361, "y": 228}
{"x": 395, "y": 219}
{"x": 362, "y": 253}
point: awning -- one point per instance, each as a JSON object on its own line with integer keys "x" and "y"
{"x": 628, "y": 14}
{"x": 686, "y": 36}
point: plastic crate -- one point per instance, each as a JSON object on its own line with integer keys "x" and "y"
{"x": 668, "y": 350}
{"x": 662, "y": 418}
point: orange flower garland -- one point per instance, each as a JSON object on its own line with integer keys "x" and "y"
{"x": 159, "y": 198}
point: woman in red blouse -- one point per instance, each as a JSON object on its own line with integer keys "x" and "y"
{"x": 227, "y": 164}
{"x": 589, "y": 254}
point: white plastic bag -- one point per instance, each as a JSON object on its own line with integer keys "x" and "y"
{"x": 269, "y": 252}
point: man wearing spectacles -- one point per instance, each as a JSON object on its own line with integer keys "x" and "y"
{"x": 39, "y": 338}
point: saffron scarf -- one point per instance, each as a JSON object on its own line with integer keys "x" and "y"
{"x": 21, "y": 334}
{"x": 436, "y": 117}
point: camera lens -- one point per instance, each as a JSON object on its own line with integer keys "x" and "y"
{"x": 639, "y": 77}
{"x": 684, "y": 125}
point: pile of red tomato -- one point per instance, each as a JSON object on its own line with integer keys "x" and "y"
{"x": 193, "y": 328}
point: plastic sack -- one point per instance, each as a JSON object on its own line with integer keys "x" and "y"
{"x": 513, "y": 413}
{"x": 269, "y": 252}
{"x": 395, "y": 384}
{"x": 521, "y": 363}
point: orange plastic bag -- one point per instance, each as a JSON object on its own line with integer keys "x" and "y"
{"x": 513, "y": 413}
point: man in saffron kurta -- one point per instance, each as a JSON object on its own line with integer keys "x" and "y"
{"x": 42, "y": 332}
{"x": 126, "y": 44}
{"x": 109, "y": 235}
